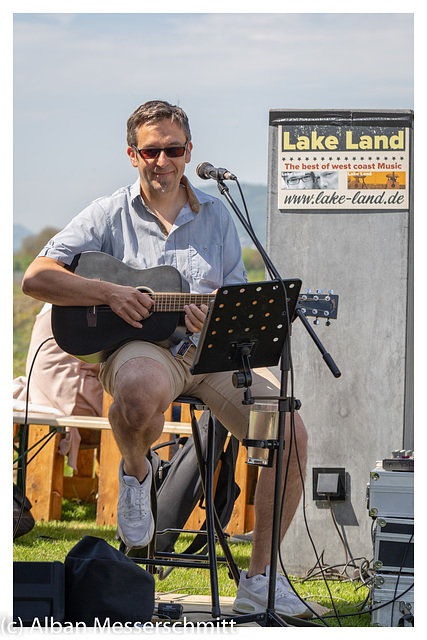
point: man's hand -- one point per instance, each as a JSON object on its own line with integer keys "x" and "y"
{"x": 195, "y": 317}
{"x": 130, "y": 304}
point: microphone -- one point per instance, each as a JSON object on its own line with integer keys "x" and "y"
{"x": 205, "y": 171}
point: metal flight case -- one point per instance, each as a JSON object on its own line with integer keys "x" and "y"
{"x": 390, "y": 500}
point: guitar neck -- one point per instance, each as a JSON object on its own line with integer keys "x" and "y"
{"x": 177, "y": 301}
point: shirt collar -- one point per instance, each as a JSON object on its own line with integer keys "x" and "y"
{"x": 192, "y": 199}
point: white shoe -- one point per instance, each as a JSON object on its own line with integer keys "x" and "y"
{"x": 135, "y": 522}
{"x": 252, "y": 596}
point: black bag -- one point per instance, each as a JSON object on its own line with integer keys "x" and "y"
{"x": 102, "y": 583}
{"x": 179, "y": 487}
{"x": 23, "y": 520}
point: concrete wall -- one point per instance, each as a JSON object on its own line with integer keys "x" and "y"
{"x": 359, "y": 418}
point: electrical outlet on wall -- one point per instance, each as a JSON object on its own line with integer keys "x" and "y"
{"x": 329, "y": 482}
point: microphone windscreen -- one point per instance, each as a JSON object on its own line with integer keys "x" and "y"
{"x": 200, "y": 170}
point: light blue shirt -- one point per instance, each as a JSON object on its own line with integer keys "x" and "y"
{"x": 204, "y": 246}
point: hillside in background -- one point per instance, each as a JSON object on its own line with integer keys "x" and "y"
{"x": 19, "y": 233}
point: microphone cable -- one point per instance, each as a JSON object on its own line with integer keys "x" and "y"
{"x": 272, "y": 272}
{"x": 293, "y": 441}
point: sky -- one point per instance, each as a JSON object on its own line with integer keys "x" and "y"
{"x": 77, "y": 77}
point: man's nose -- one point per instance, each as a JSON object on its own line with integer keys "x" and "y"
{"x": 162, "y": 158}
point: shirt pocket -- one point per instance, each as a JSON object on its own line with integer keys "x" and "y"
{"x": 206, "y": 264}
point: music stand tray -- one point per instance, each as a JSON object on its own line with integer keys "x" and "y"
{"x": 251, "y": 316}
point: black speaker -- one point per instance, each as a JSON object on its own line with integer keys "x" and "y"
{"x": 38, "y": 593}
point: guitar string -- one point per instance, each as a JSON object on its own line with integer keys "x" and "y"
{"x": 177, "y": 301}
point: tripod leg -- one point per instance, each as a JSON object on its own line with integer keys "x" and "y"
{"x": 210, "y": 525}
{"x": 232, "y": 566}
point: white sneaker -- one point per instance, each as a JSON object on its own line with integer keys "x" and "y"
{"x": 135, "y": 522}
{"x": 252, "y": 596}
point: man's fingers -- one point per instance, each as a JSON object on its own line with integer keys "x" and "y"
{"x": 195, "y": 317}
{"x": 131, "y": 305}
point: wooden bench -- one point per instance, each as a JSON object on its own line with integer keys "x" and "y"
{"x": 98, "y": 469}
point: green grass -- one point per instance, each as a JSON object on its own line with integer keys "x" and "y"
{"x": 348, "y": 598}
{"x": 49, "y": 541}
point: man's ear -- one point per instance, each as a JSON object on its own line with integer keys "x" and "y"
{"x": 188, "y": 152}
{"x": 132, "y": 155}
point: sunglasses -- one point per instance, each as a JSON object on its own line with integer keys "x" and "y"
{"x": 171, "y": 152}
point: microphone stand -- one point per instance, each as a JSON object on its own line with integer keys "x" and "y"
{"x": 285, "y": 405}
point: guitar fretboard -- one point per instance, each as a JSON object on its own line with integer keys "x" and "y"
{"x": 177, "y": 301}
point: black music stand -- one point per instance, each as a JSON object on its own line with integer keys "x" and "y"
{"x": 247, "y": 326}
{"x": 246, "y": 321}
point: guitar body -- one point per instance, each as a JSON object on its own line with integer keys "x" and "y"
{"x": 93, "y": 333}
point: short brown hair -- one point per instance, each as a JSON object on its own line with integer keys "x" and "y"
{"x": 152, "y": 112}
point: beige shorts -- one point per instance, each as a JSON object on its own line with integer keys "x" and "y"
{"x": 216, "y": 390}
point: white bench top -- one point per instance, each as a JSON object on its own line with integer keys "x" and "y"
{"x": 87, "y": 422}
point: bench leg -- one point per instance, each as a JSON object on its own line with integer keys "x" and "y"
{"x": 108, "y": 482}
{"x": 45, "y": 475}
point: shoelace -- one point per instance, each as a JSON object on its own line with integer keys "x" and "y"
{"x": 135, "y": 504}
{"x": 282, "y": 586}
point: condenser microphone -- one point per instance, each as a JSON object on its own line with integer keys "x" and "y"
{"x": 205, "y": 171}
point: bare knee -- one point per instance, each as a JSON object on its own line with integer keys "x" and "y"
{"x": 131, "y": 411}
{"x": 140, "y": 398}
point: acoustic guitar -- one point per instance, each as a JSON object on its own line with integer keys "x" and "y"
{"x": 93, "y": 333}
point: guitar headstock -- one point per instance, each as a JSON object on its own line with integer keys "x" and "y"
{"x": 319, "y": 305}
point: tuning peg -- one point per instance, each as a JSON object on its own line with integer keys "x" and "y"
{"x": 328, "y": 323}
{"x": 319, "y": 290}
{"x": 308, "y": 290}
{"x": 331, "y": 291}
{"x": 317, "y": 321}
